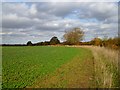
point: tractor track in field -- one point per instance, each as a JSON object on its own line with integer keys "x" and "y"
{"x": 78, "y": 73}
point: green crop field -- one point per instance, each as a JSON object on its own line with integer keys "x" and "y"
{"x": 23, "y": 65}
{"x": 58, "y": 67}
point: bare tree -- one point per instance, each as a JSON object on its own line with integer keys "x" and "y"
{"x": 73, "y": 36}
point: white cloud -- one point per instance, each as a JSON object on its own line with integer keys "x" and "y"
{"x": 43, "y": 20}
{"x": 20, "y": 9}
{"x": 33, "y": 9}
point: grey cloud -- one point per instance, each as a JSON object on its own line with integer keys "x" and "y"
{"x": 41, "y": 21}
{"x": 99, "y": 11}
{"x": 13, "y": 21}
{"x": 59, "y": 9}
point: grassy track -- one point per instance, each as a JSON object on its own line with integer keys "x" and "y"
{"x": 22, "y": 66}
{"x": 77, "y": 73}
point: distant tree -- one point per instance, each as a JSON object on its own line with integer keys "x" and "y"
{"x": 73, "y": 36}
{"x": 97, "y": 41}
{"x": 112, "y": 43}
{"x": 29, "y": 43}
{"x": 54, "y": 40}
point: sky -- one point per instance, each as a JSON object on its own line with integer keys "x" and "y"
{"x": 40, "y": 21}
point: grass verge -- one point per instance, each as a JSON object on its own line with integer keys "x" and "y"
{"x": 106, "y": 67}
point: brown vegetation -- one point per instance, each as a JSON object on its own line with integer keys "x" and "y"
{"x": 106, "y": 67}
{"x": 73, "y": 36}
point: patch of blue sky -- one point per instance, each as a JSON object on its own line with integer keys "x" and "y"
{"x": 71, "y": 16}
{"x": 77, "y": 15}
{"x": 85, "y": 20}
{"x": 89, "y": 20}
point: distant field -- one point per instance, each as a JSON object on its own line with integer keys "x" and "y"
{"x": 55, "y": 67}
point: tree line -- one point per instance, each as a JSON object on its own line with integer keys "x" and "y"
{"x": 113, "y": 43}
{"x": 74, "y": 37}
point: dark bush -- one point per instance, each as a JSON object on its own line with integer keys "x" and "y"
{"x": 54, "y": 41}
{"x": 29, "y": 43}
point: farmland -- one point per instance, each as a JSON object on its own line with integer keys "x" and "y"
{"x": 56, "y": 67}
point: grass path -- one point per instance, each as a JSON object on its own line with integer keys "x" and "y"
{"x": 78, "y": 73}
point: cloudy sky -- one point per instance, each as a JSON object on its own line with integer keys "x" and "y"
{"x": 39, "y": 21}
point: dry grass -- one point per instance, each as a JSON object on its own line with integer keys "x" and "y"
{"x": 106, "y": 67}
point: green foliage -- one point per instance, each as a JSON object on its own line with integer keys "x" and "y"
{"x": 54, "y": 40}
{"x": 23, "y": 65}
{"x": 29, "y": 43}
